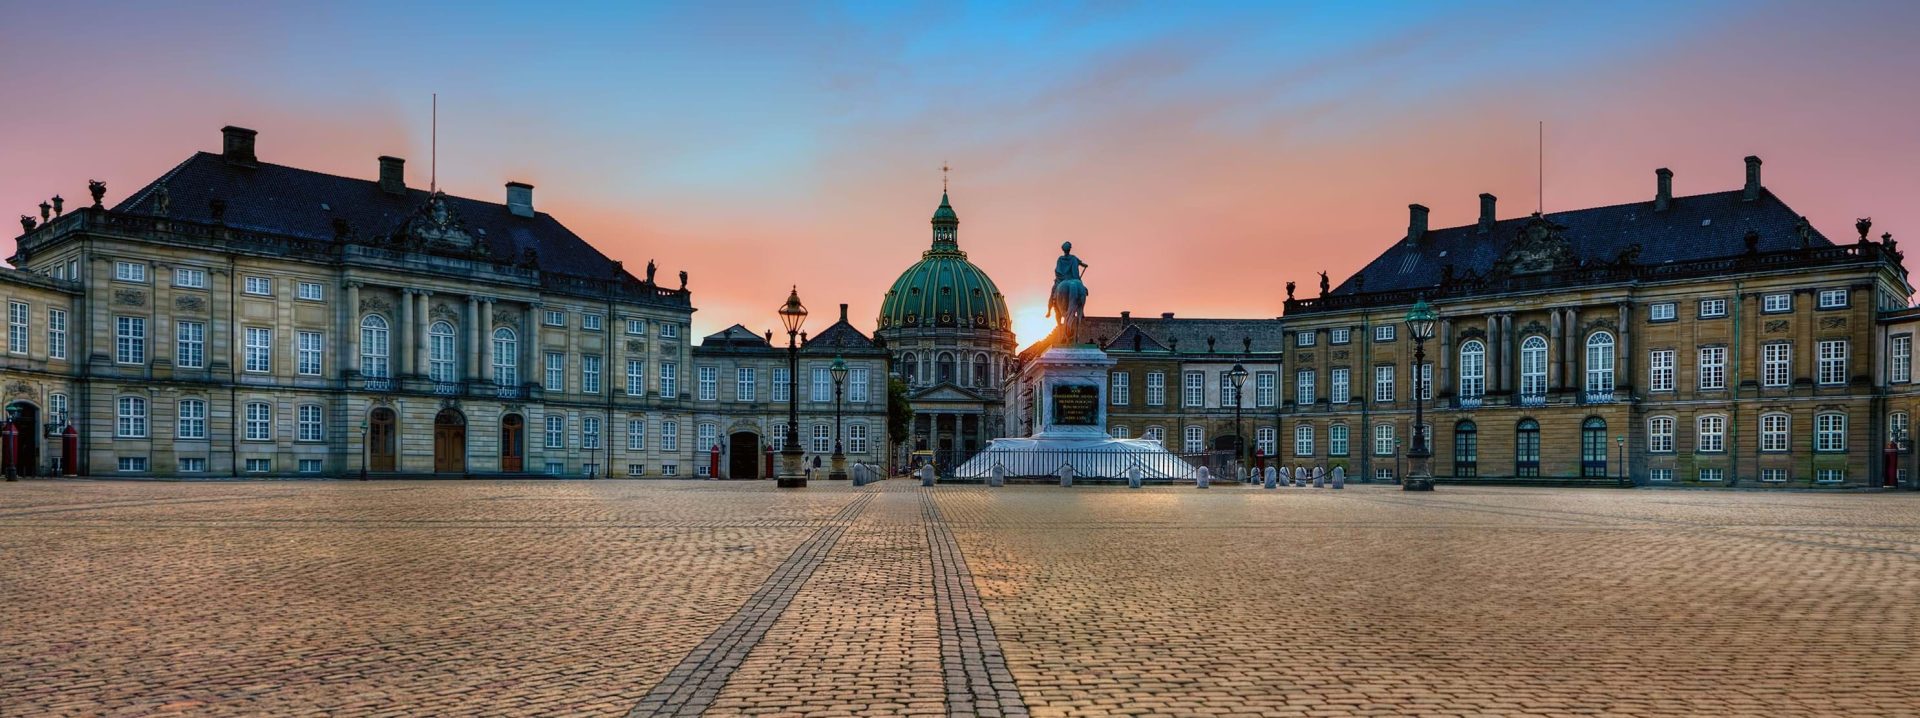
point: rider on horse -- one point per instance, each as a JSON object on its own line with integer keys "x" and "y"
{"x": 1068, "y": 302}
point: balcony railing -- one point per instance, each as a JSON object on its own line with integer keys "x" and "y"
{"x": 1470, "y": 402}
{"x": 1600, "y": 397}
{"x": 376, "y": 383}
{"x": 448, "y": 388}
{"x": 510, "y": 392}
{"x": 1533, "y": 400}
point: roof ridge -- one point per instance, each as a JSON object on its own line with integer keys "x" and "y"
{"x": 134, "y": 200}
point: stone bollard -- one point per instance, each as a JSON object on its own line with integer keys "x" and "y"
{"x": 998, "y": 477}
{"x": 1319, "y": 479}
{"x": 1202, "y": 478}
{"x": 926, "y": 475}
{"x": 1066, "y": 475}
{"x": 858, "y": 474}
{"x": 1133, "y": 476}
{"x": 1339, "y": 477}
{"x": 1273, "y": 478}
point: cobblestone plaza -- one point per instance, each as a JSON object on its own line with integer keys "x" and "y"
{"x": 621, "y": 598}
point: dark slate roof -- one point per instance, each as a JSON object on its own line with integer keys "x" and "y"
{"x": 302, "y": 203}
{"x": 1699, "y": 227}
{"x": 1131, "y": 335}
{"x": 734, "y": 338}
{"x": 841, "y": 337}
{"x": 1187, "y": 336}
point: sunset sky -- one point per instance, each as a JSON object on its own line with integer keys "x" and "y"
{"x": 1199, "y": 156}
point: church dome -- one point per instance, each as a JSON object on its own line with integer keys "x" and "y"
{"x": 943, "y": 289}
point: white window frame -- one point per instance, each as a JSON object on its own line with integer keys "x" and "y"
{"x": 1710, "y": 434}
{"x": 1600, "y": 355}
{"x": 1339, "y": 335}
{"x": 589, "y": 433}
{"x": 669, "y": 380}
{"x": 1834, "y": 298}
{"x": 18, "y": 330}
{"x": 1775, "y": 432}
{"x": 1303, "y": 440}
{"x": 554, "y": 318}
{"x": 1119, "y": 391}
{"x": 782, "y": 389}
{"x": 745, "y": 384}
{"x": 636, "y": 377}
{"x": 707, "y": 383}
{"x": 1776, "y": 303}
{"x": 1340, "y": 385}
{"x": 1338, "y": 437}
{"x": 1305, "y": 386}
{"x": 856, "y": 438}
{"x": 636, "y": 434}
{"x": 1713, "y": 368}
{"x": 555, "y": 431}
{"x": 1266, "y": 440}
{"x": 258, "y": 421}
{"x": 1900, "y": 359}
{"x": 310, "y": 353}
{"x": 669, "y": 436}
{"x": 1830, "y": 432}
{"x": 1156, "y": 388}
{"x": 375, "y": 337}
{"x": 1383, "y": 439}
{"x": 310, "y": 292}
{"x": 443, "y": 352}
{"x": 1533, "y": 366}
{"x": 1194, "y": 389}
{"x": 189, "y": 278}
{"x": 1266, "y": 389}
{"x": 556, "y": 366}
{"x": 130, "y": 340}
{"x": 592, "y": 322}
{"x": 1776, "y": 364}
{"x": 310, "y": 423}
{"x": 636, "y": 327}
{"x": 506, "y": 357}
{"x": 1662, "y": 312}
{"x": 1305, "y": 338}
{"x": 1712, "y": 308}
{"x": 1833, "y": 362}
{"x": 1660, "y": 434}
{"x": 130, "y": 272}
{"x": 1473, "y": 369}
{"x": 56, "y": 333}
{"x": 258, "y": 286}
{"x": 1383, "y": 380}
{"x": 259, "y": 350}
{"x": 1661, "y": 370}
{"x": 590, "y": 367}
{"x": 1383, "y": 333}
{"x": 858, "y": 379}
{"x": 192, "y": 423}
{"x": 1195, "y": 439}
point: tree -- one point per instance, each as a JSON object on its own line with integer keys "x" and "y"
{"x": 899, "y": 412}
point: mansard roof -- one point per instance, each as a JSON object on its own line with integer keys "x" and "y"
{"x": 840, "y": 338}
{"x": 1180, "y": 335}
{"x": 734, "y": 338}
{"x": 277, "y": 199}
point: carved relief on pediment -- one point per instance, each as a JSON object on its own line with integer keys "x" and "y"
{"x": 1538, "y": 247}
{"x": 1777, "y": 326}
{"x": 376, "y": 304}
{"x": 506, "y": 318}
{"x": 129, "y": 298}
{"x": 443, "y": 313}
{"x": 1833, "y": 322}
{"x": 189, "y": 303}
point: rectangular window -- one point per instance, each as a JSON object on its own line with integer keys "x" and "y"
{"x": 636, "y": 434}
{"x": 1265, "y": 440}
{"x": 309, "y": 426}
{"x": 1118, "y": 392}
{"x": 259, "y": 466}
{"x": 1340, "y": 389}
{"x": 1776, "y": 364}
{"x": 259, "y": 421}
{"x": 669, "y": 469}
{"x": 1773, "y": 432}
{"x": 1713, "y": 308}
{"x": 1196, "y": 440}
{"x": 857, "y": 385}
{"x": 1196, "y": 389}
{"x": 744, "y": 384}
{"x": 669, "y": 436}
{"x": 1773, "y": 476}
{"x": 1775, "y": 303}
{"x": 133, "y": 464}
{"x": 556, "y": 432}
{"x": 261, "y": 286}
{"x": 1383, "y": 383}
{"x": 1383, "y": 333}
{"x": 707, "y": 383}
{"x": 669, "y": 380}
{"x": 1383, "y": 440}
{"x": 857, "y": 439}
{"x": 555, "y": 318}
{"x": 591, "y": 322}
{"x": 1229, "y": 395}
{"x": 556, "y": 468}
{"x": 822, "y": 438}
{"x": 590, "y": 373}
{"x": 1305, "y": 386}
{"x": 1833, "y": 298}
{"x": 189, "y": 278}
{"x": 1830, "y": 432}
{"x": 778, "y": 439}
{"x": 1662, "y": 312}
{"x": 669, "y": 331}
{"x": 56, "y": 333}
{"x": 1337, "y": 440}
{"x": 822, "y": 384}
{"x": 1303, "y": 440}
{"x": 1266, "y": 389}
{"x": 129, "y": 272}
{"x": 1156, "y": 388}
{"x": 636, "y": 377}
{"x": 1660, "y": 362}
{"x": 556, "y": 372}
{"x": 130, "y": 340}
{"x": 1713, "y": 475}
{"x": 1830, "y": 476}
{"x": 1713, "y": 367}
{"x": 782, "y": 385}
{"x": 57, "y": 411}
{"x": 1660, "y": 435}
{"x": 193, "y": 420}
{"x": 590, "y": 432}
{"x": 259, "y": 351}
{"x": 310, "y": 291}
{"x": 193, "y": 465}
{"x": 190, "y": 349}
{"x": 311, "y": 347}
{"x": 1305, "y": 338}
{"x": 17, "y": 327}
{"x": 1833, "y": 361}
{"x": 1426, "y": 381}
{"x": 310, "y": 466}
{"x": 1660, "y": 475}
{"x": 636, "y": 327}
{"x": 1900, "y": 359}
{"x": 1712, "y": 434}
{"x": 1341, "y": 335}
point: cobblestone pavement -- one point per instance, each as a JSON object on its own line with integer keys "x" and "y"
{"x": 632, "y": 598}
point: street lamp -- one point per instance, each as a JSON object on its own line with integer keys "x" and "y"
{"x": 1420, "y": 321}
{"x": 793, "y": 314}
{"x": 839, "y": 372}
{"x": 1238, "y": 377}
{"x": 363, "y": 450}
{"x": 1621, "y": 441}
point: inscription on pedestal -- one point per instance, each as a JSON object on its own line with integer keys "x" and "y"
{"x": 1076, "y": 405}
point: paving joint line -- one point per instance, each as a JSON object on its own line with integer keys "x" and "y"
{"x": 975, "y": 668}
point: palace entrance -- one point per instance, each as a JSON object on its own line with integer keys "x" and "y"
{"x": 743, "y": 455}
{"x": 380, "y": 439}
{"x": 449, "y": 442}
{"x": 26, "y": 420}
{"x": 513, "y": 443}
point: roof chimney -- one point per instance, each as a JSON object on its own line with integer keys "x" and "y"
{"x": 1753, "y": 179}
{"x": 1416, "y": 222}
{"x": 1486, "y": 212}
{"x": 1126, "y": 317}
{"x": 843, "y": 312}
{"x": 1166, "y": 315}
{"x": 1663, "y": 189}
{"x": 520, "y": 198}
{"x": 393, "y": 175}
{"x": 238, "y": 145}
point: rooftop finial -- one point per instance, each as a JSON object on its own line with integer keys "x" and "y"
{"x": 943, "y": 177}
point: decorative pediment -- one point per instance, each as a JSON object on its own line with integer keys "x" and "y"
{"x": 435, "y": 225}
{"x": 1473, "y": 333}
{"x": 946, "y": 393}
{"x": 1538, "y": 247}
{"x": 444, "y": 313}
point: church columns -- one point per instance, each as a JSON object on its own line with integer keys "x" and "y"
{"x": 1575, "y": 345}
{"x": 422, "y": 350}
{"x": 473, "y": 338}
{"x": 486, "y": 338}
{"x": 351, "y": 362}
{"x": 1492, "y": 368}
{"x": 1557, "y": 345}
{"x": 403, "y": 335}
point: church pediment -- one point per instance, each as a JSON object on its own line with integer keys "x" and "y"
{"x": 1539, "y": 247}
{"x": 435, "y": 225}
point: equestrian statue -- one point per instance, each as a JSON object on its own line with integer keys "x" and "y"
{"x": 1068, "y": 304}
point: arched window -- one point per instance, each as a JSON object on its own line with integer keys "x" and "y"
{"x": 1526, "y": 448}
{"x": 1533, "y": 367}
{"x": 1466, "y": 449}
{"x": 1600, "y": 365}
{"x": 1593, "y": 443}
{"x": 506, "y": 357}
{"x": 373, "y": 347}
{"x": 909, "y": 368}
{"x": 1303, "y": 440}
{"x": 1473, "y": 369}
{"x": 441, "y": 353}
{"x": 943, "y": 368}
{"x": 982, "y": 377}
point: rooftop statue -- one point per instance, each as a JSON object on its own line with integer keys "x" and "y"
{"x": 1068, "y": 303}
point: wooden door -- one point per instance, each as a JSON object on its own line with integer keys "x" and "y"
{"x": 449, "y": 442}
{"x": 380, "y": 440}
{"x": 513, "y": 443}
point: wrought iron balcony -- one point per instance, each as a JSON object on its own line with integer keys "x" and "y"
{"x": 1600, "y": 397}
{"x": 1469, "y": 402}
{"x": 1533, "y": 399}
{"x": 448, "y": 388}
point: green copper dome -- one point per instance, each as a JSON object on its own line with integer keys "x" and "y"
{"x": 943, "y": 289}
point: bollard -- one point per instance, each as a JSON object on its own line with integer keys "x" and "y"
{"x": 926, "y": 475}
{"x": 1273, "y": 478}
{"x": 1133, "y": 476}
{"x": 1202, "y": 478}
{"x": 998, "y": 477}
{"x": 1066, "y": 475}
{"x": 1339, "y": 478}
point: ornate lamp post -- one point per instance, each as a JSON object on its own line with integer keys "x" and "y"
{"x": 1621, "y": 441}
{"x": 1420, "y": 321}
{"x": 839, "y": 372}
{"x": 363, "y": 450}
{"x": 793, "y": 315}
{"x": 1237, "y": 376}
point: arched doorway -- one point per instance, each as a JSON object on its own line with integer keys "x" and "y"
{"x": 449, "y": 442}
{"x": 26, "y": 419}
{"x": 743, "y": 455}
{"x": 380, "y": 439}
{"x": 513, "y": 443}
{"x": 1593, "y": 448}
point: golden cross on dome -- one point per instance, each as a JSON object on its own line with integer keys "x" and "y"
{"x": 943, "y": 177}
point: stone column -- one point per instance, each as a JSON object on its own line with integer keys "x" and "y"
{"x": 530, "y": 347}
{"x": 1623, "y": 351}
{"x": 1557, "y": 345}
{"x": 473, "y": 338}
{"x": 404, "y": 335}
{"x": 422, "y": 346}
{"x": 1492, "y": 368}
{"x": 350, "y": 364}
{"x": 1444, "y": 372}
{"x": 1576, "y": 344}
{"x": 486, "y": 339}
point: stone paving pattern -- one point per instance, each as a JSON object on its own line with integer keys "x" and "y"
{"x": 582, "y": 598}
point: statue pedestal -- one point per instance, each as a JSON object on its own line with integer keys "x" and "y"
{"x": 1070, "y": 384}
{"x": 1070, "y": 428}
